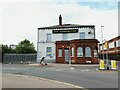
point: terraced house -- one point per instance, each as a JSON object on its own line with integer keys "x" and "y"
{"x": 64, "y": 43}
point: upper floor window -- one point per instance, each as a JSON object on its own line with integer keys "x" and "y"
{"x": 118, "y": 43}
{"x": 79, "y": 52}
{"x": 88, "y": 52}
{"x": 115, "y": 44}
{"x": 82, "y": 35}
{"x": 49, "y": 37}
{"x": 48, "y": 51}
{"x": 64, "y": 36}
{"x": 111, "y": 45}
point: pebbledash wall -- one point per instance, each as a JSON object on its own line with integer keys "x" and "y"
{"x": 48, "y": 36}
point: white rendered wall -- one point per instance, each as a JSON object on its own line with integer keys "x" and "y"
{"x": 42, "y": 38}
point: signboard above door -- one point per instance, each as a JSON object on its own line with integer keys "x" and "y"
{"x": 65, "y": 31}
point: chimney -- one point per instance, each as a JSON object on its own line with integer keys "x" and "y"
{"x": 60, "y": 20}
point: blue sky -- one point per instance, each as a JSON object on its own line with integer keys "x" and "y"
{"x": 95, "y": 5}
{"x": 100, "y": 5}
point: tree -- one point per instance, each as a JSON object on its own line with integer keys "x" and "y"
{"x": 5, "y": 49}
{"x": 25, "y": 47}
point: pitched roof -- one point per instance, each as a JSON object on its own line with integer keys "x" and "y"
{"x": 67, "y": 26}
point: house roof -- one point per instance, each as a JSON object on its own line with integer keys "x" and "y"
{"x": 67, "y": 26}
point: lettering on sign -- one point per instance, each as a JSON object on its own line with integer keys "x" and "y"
{"x": 65, "y": 31}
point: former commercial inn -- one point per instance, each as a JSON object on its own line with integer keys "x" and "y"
{"x": 67, "y": 42}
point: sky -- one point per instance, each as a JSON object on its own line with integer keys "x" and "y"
{"x": 20, "y": 19}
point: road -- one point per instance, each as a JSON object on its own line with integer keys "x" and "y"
{"x": 82, "y": 76}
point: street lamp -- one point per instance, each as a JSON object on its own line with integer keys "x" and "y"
{"x": 70, "y": 58}
{"x": 69, "y": 55}
{"x": 102, "y": 41}
{"x": 103, "y": 47}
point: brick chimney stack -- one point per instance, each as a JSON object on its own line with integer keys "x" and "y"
{"x": 60, "y": 20}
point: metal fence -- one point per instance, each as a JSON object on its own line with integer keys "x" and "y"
{"x": 19, "y": 58}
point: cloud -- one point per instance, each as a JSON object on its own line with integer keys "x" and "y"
{"x": 20, "y": 20}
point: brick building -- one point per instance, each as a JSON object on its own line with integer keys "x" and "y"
{"x": 113, "y": 50}
{"x": 64, "y": 43}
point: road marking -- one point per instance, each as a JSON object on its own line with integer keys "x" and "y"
{"x": 48, "y": 80}
{"x": 85, "y": 70}
{"x": 61, "y": 69}
{"x": 72, "y": 68}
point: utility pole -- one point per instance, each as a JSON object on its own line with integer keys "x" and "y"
{"x": 107, "y": 50}
{"x": 70, "y": 58}
{"x": 102, "y": 41}
{"x": 69, "y": 55}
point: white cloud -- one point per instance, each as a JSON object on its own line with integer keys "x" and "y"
{"x": 20, "y": 20}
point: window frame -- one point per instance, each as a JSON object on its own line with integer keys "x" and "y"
{"x": 60, "y": 49}
{"x": 81, "y": 33}
{"x": 89, "y": 55}
{"x": 79, "y": 52}
{"x": 49, "y": 37}
{"x": 64, "y": 36}
{"x": 95, "y": 52}
{"x": 48, "y": 52}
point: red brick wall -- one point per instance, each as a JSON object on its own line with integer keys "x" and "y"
{"x": 75, "y": 44}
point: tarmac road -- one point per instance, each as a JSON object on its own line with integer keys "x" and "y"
{"x": 82, "y": 76}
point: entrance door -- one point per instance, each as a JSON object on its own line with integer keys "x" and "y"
{"x": 66, "y": 55}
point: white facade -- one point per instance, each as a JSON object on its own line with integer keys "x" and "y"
{"x": 47, "y": 39}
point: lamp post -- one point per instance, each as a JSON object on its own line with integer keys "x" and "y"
{"x": 102, "y": 41}
{"x": 69, "y": 56}
{"x": 69, "y": 53}
{"x": 103, "y": 47}
{"x": 107, "y": 50}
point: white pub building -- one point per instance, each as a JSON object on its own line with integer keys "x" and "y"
{"x": 64, "y": 42}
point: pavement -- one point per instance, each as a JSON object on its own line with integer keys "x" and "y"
{"x": 23, "y": 81}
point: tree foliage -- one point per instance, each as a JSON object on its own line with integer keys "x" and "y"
{"x": 25, "y": 47}
{"x": 6, "y": 49}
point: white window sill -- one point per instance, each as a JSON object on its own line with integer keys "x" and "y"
{"x": 88, "y": 56}
{"x": 79, "y": 56}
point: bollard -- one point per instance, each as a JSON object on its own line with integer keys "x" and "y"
{"x": 29, "y": 62}
{"x": 107, "y": 68}
{"x": 102, "y": 64}
{"x": 113, "y": 64}
{"x": 21, "y": 62}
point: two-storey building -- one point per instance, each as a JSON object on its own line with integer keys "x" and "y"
{"x": 67, "y": 42}
{"x": 113, "y": 50}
